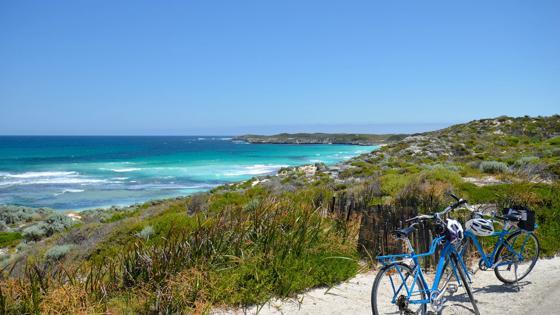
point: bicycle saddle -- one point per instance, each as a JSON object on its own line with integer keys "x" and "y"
{"x": 403, "y": 233}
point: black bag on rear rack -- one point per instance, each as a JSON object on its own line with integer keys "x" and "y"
{"x": 524, "y": 215}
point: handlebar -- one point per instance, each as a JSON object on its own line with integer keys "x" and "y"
{"x": 420, "y": 218}
{"x": 457, "y": 204}
{"x": 454, "y": 197}
{"x": 492, "y": 216}
{"x": 438, "y": 215}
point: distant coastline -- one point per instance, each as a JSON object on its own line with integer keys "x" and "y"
{"x": 322, "y": 138}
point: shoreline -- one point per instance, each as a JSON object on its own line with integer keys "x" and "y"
{"x": 122, "y": 207}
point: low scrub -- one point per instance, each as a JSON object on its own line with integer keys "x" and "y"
{"x": 493, "y": 167}
{"x": 18, "y": 215}
{"x": 54, "y": 223}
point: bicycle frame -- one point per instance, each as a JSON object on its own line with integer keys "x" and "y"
{"x": 447, "y": 250}
{"x": 488, "y": 260}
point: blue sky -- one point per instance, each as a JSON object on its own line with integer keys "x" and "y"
{"x": 224, "y": 67}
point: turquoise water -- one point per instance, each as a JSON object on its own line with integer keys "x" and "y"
{"x": 87, "y": 172}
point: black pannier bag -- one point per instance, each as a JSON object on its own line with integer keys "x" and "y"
{"x": 524, "y": 215}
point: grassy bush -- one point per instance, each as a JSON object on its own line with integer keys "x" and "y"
{"x": 493, "y": 167}
{"x": 239, "y": 254}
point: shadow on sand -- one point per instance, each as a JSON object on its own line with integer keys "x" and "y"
{"x": 456, "y": 300}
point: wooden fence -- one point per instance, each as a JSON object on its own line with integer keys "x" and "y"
{"x": 377, "y": 224}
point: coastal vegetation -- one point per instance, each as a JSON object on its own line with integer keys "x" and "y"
{"x": 241, "y": 244}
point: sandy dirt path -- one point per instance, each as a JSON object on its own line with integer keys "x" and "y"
{"x": 539, "y": 294}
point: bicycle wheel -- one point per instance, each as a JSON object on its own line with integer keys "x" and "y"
{"x": 465, "y": 282}
{"x": 508, "y": 263}
{"x": 389, "y": 294}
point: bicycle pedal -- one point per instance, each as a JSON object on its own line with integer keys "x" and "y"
{"x": 452, "y": 288}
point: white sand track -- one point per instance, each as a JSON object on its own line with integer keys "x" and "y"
{"x": 539, "y": 293}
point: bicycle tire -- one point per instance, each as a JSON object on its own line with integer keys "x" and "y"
{"x": 378, "y": 278}
{"x": 465, "y": 282}
{"x": 502, "y": 248}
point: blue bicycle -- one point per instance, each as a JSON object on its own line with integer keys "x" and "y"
{"x": 517, "y": 249}
{"x": 402, "y": 288}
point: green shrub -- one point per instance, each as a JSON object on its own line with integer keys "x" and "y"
{"x": 146, "y": 233}
{"x": 35, "y": 232}
{"x": 9, "y": 238}
{"x": 58, "y": 222}
{"x": 526, "y": 160}
{"x": 493, "y": 167}
{"x": 391, "y": 184}
{"x": 18, "y": 215}
{"x": 554, "y": 141}
{"x": 119, "y": 216}
{"x": 4, "y": 227}
{"x": 58, "y": 252}
{"x": 54, "y": 223}
{"x": 21, "y": 246}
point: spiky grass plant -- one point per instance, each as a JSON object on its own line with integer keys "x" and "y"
{"x": 241, "y": 255}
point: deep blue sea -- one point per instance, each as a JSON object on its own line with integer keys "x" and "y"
{"x": 75, "y": 173}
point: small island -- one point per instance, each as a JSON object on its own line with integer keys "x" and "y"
{"x": 322, "y": 138}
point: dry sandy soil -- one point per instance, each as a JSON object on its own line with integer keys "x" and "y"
{"x": 539, "y": 293}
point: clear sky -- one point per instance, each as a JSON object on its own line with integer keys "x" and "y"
{"x": 223, "y": 67}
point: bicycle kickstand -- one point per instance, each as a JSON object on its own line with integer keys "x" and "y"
{"x": 516, "y": 280}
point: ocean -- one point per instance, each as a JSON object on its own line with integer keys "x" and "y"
{"x": 83, "y": 172}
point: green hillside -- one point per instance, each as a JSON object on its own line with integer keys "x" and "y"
{"x": 244, "y": 243}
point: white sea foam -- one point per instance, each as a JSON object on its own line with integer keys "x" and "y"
{"x": 72, "y": 191}
{"x": 257, "y": 169}
{"x": 39, "y": 174}
{"x": 42, "y": 178}
{"x": 125, "y": 170}
{"x": 68, "y": 191}
{"x": 168, "y": 186}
